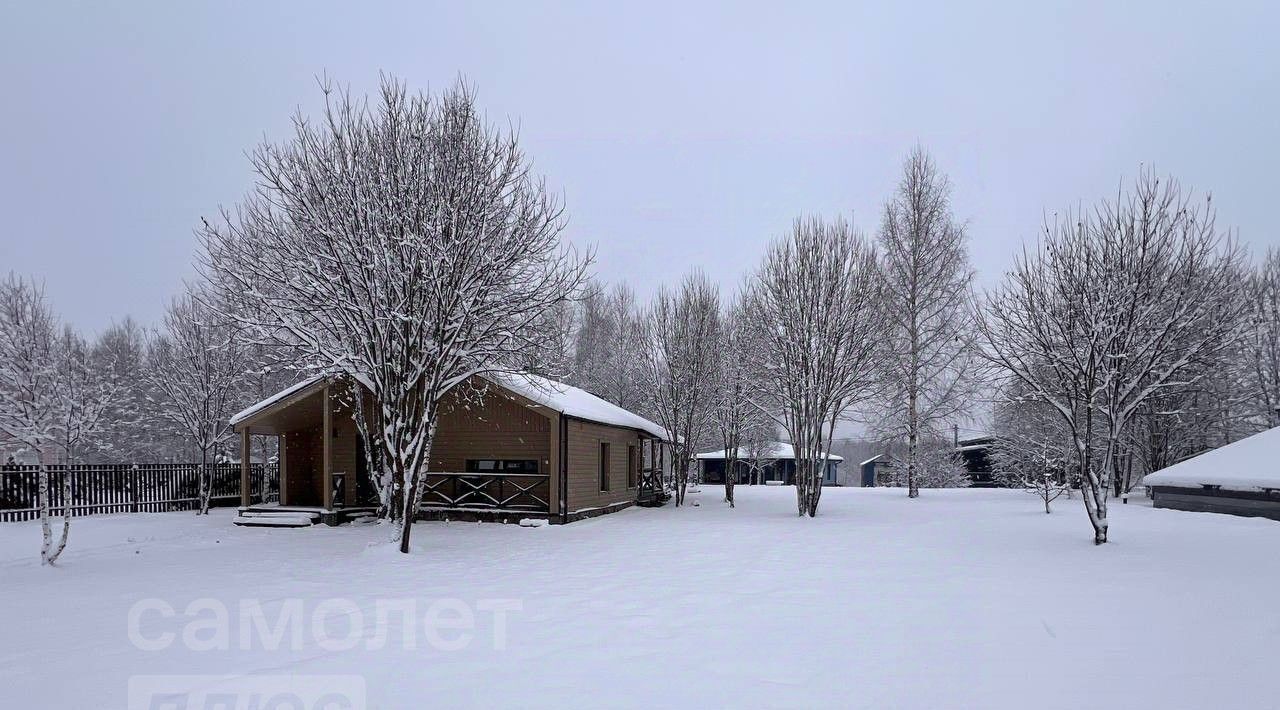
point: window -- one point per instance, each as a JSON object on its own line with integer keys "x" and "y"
{"x": 633, "y": 467}
{"x": 604, "y": 466}
{"x": 502, "y": 466}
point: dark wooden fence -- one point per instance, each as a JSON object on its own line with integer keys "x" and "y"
{"x": 129, "y": 488}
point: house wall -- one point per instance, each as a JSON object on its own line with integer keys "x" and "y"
{"x": 1207, "y": 500}
{"x": 584, "y": 460}
{"x": 502, "y": 428}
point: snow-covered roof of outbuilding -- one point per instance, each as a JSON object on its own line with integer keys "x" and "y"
{"x": 1244, "y": 465}
{"x": 575, "y": 402}
{"x": 777, "y": 450}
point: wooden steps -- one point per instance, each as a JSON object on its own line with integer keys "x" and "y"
{"x": 282, "y": 520}
{"x": 298, "y": 516}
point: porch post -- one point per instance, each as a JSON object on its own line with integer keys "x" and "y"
{"x": 553, "y": 468}
{"x": 244, "y": 466}
{"x": 283, "y": 466}
{"x": 327, "y": 450}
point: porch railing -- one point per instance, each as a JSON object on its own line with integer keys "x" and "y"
{"x": 488, "y": 491}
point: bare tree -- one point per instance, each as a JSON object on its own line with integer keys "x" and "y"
{"x": 928, "y": 355}
{"x": 197, "y": 372}
{"x": 1113, "y": 308}
{"x": 734, "y": 414}
{"x": 609, "y": 345}
{"x": 814, "y": 308}
{"x": 682, "y": 329}
{"x": 126, "y": 435}
{"x": 29, "y": 392}
{"x": 1032, "y": 450}
{"x": 1263, "y": 345}
{"x": 759, "y": 444}
{"x": 406, "y": 246}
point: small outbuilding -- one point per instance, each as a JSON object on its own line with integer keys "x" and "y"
{"x": 1242, "y": 478}
{"x": 775, "y": 465}
{"x": 975, "y": 454}
{"x": 879, "y": 470}
{"x": 534, "y": 448}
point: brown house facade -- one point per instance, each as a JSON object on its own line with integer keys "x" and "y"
{"x": 533, "y": 448}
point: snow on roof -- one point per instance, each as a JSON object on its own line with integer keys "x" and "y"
{"x": 282, "y": 394}
{"x": 777, "y": 450}
{"x": 575, "y": 402}
{"x": 1244, "y": 465}
{"x": 554, "y": 395}
{"x": 878, "y": 457}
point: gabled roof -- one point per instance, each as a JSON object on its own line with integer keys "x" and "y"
{"x": 1249, "y": 463}
{"x": 777, "y": 450}
{"x": 884, "y": 458}
{"x": 277, "y": 397}
{"x": 556, "y": 396}
{"x": 575, "y": 402}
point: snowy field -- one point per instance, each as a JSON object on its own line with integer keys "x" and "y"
{"x": 963, "y": 598}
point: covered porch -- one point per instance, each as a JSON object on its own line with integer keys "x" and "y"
{"x": 321, "y": 463}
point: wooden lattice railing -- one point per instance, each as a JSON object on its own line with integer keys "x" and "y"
{"x": 488, "y": 491}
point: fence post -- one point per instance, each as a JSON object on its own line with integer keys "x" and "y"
{"x": 133, "y": 488}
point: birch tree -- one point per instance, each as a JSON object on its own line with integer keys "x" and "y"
{"x": 814, "y": 306}
{"x": 928, "y": 354}
{"x": 683, "y": 328}
{"x": 406, "y": 245}
{"x": 1114, "y": 307}
{"x": 197, "y": 372}
{"x": 29, "y": 389}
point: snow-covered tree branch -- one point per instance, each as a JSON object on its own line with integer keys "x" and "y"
{"x": 682, "y": 329}
{"x": 1113, "y": 308}
{"x": 406, "y": 245}
{"x": 814, "y": 308}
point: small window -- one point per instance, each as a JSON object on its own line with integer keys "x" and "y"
{"x": 502, "y": 465}
{"x": 633, "y": 467}
{"x": 604, "y": 466}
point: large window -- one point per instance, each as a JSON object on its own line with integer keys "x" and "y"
{"x": 633, "y": 467}
{"x": 502, "y": 466}
{"x": 604, "y": 466}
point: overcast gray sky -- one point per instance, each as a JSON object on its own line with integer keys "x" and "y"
{"x": 681, "y": 135}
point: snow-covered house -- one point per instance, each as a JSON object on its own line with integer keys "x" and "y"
{"x": 1242, "y": 478}
{"x": 775, "y": 464}
{"x": 879, "y": 470}
{"x": 533, "y": 448}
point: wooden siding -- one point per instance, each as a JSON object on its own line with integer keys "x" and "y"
{"x": 584, "y": 465}
{"x": 501, "y": 428}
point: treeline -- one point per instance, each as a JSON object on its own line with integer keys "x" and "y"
{"x": 403, "y": 242}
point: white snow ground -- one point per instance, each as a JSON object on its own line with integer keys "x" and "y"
{"x": 963, "y": 598}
